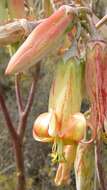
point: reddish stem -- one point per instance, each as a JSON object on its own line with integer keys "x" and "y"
{"x": 7, "y": 118}
{"x": 17, "y": 136}
{"x": 18, "y": 94}
{"x": 16, "y": 143}
{"x": 20, "y": 172}
{"x": 25, "y": 113}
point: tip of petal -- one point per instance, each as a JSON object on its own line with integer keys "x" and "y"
{"x": 10, "y": 68}
{"x": 7, "y": 71}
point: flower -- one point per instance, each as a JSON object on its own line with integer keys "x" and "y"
{"x": 96, "y": 82}
{"x": 63, "y": 124}
{"x": 46, "y": 36}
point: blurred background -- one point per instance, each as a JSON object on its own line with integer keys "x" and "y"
{"x": 39, "y": 171}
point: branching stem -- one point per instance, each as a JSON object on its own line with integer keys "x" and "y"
{"x": 18, "y": 94}
{"x": 7, "y": 117}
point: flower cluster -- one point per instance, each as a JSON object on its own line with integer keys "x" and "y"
{"x": 63, "y": 124}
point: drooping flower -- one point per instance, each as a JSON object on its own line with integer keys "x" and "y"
{"x": 64, "y": 125}
{"x": 96, "y": 82}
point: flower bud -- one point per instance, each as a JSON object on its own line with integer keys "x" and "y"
{"x": 41, "y": 41}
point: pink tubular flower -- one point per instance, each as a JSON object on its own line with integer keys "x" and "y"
{"x": 41, "y": 41}
{"x": 96, "y": 82}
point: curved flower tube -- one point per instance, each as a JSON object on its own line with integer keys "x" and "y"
{"x": 42, "y": 40}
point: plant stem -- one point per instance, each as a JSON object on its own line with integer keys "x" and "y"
{"x": 17, "y": 136}
{"x": 20, "y": 173}
{"x": 18, "y": 94}
{"x": 16, "y": 143}
{"x": 7, "y": 118}
{"x": 25, "y": 113}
